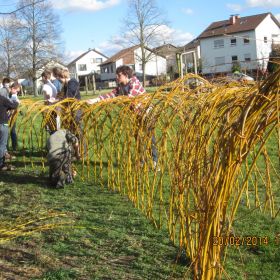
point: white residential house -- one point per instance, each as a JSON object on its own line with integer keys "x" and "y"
{"x": 244, "y": 40}
{"x": 87, "y": 63}
{"x": 131, "y": 56}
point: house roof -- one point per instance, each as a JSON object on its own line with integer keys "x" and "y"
{"x": 191, "y": 45}
{"x": 126, "y": 54}
{"x": 241, "y": 24}
{"x": 83, "y": 54}
{"x": 165, "y": 46}
{"x": 165, "y": 50}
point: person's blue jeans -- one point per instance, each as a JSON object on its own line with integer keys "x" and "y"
{"x": 4, "y": 134}
{"x": 154, "y": 149}
{"x": 14, "y": 137}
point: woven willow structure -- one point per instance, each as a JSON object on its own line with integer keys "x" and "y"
{"x": 214, "y": 147}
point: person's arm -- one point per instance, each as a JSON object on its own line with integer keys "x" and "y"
{"x": 112, "y": 94}
{"x": 73, "y": 140}
{"x": 77, "y": 150}
{"x": 10, "y": 104}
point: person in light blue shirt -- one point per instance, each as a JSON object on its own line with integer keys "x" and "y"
{"x": 56, "y": 71}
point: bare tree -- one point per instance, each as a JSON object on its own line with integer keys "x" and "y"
{"x": 41, "y": 32}
{"x": 143, "y": 26}
{"x": 9, "y": 45}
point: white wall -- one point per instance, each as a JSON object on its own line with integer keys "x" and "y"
{"x": 90, "y": 66}
{"x": 209, "y": 53}
{"x": 266, "y": 29}
{"x": 155, "y": 66}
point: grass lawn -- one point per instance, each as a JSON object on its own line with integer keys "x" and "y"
{"x": 107, "y": 237}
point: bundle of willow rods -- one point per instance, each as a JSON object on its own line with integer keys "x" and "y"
{"x": 212, "y": 142}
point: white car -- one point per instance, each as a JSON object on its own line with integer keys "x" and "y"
{"x": 240, "y": 77}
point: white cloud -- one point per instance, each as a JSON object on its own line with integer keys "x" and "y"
{"x": 176, "y": 37}
{"x": 166, "y": 35}
{"x": 263, "y": 3}
{"x": 187, "y": 11}
{"x": 234, "y": 7}
{"x": 71, "y": 55}
{"x": 88, "y": 5}
{"x": 110, "y": 47}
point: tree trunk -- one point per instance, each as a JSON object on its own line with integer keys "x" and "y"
{"x": 144, "y": 74}
{"x": 35, "y": 88}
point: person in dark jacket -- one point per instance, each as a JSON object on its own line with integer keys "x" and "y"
{"x": 71, "y": 89}
{"x": 71, "y": 86}
{"x": 5, "y": 105}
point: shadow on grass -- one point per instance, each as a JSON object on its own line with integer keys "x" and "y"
{"x": 24, "y": 177}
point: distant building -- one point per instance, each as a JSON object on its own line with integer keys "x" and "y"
{"x": 169, "y": 51}
{"x": 131, "y": 57}
{"x": 246, "y": 41}
{"x": 87, "y": 63}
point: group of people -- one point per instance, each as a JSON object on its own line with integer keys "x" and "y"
{"x": 8, "y": 104}
{"x": 58, "y": 85}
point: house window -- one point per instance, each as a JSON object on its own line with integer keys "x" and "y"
{"x": 246, "y": 40}
{"x": 234, "y": 58}
{"x": 219, "y": 60}
{"x": 104, "y": 70}
{"x": 247, "y": 57}
{"x": 82, "y": 67}
{"x": 219, "y": 43}
{"x": 233, "y": 41}
{"x": 265, "y": 40}
{"x": 98, "y": 60}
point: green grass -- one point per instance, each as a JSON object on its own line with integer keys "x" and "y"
{"x": 108, "y": 238}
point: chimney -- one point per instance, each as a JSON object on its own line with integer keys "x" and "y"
{"x": 232, "y": 19}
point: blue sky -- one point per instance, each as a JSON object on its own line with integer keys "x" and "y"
{"x": 95, "y": 23}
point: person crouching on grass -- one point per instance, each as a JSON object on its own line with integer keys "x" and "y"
{"x": 61, "y": 145}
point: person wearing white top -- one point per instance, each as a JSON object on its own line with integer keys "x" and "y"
{"x": 50, "y": 92}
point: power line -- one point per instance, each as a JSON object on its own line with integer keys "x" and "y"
{"x": 21, "y": 8}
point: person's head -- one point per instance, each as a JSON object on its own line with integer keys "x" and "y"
{"x": 64, "y": 75}
{"x": 6, "y": 82}
{"x": 123, "y": 74}
{"x": 15, "y": 87}
{"x": 46, "y": 75}
{"x": 56, "y": 72}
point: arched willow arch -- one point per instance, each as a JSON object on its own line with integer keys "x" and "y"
{"x": 213, "y": 148}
